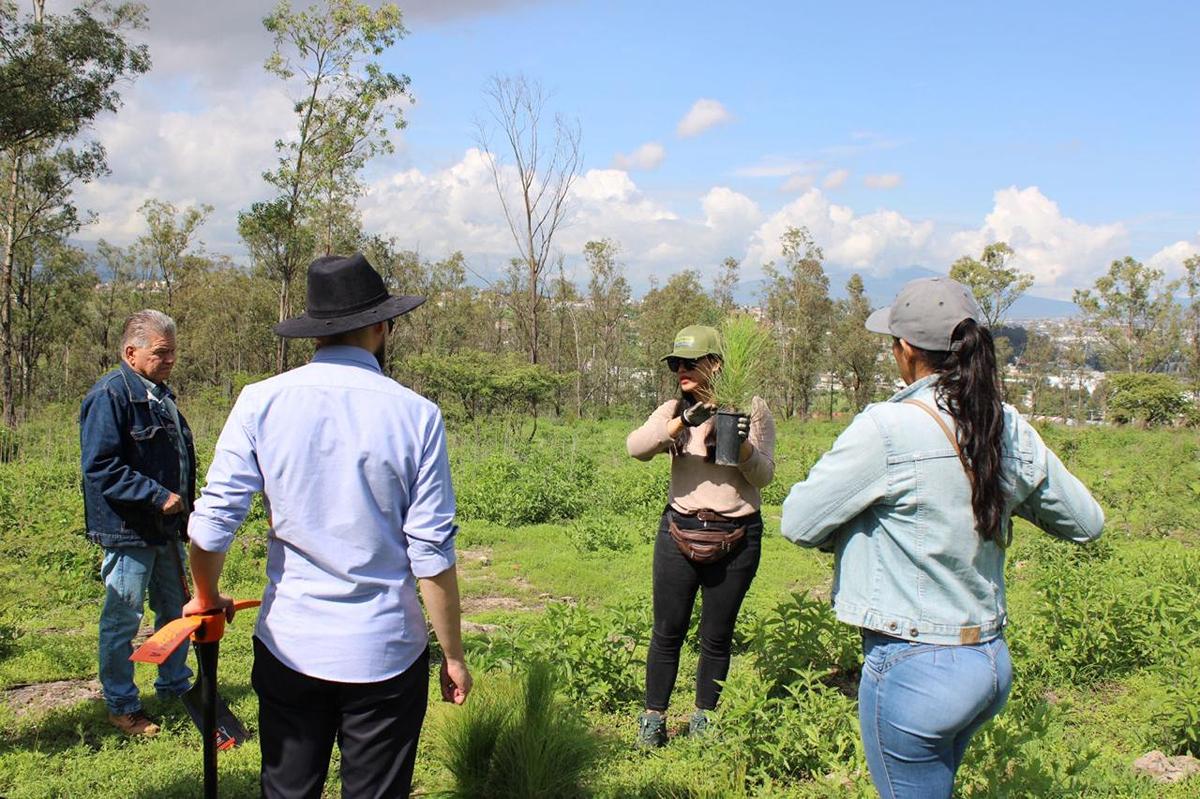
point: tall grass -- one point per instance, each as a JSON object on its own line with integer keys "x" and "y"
{"x": 517, "y": 742}
{"x": 743, "y": 371}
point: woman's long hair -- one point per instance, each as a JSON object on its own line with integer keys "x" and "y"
{"x": 969, "y": 389}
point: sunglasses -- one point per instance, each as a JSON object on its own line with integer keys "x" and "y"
{"x": 674, "y": 364}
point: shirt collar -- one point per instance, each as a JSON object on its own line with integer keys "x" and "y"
{"x": 341, "y": 353}
{"x": 914, "y": 388}
{"x": 157, "y": 390}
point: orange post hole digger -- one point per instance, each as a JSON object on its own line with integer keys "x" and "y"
{"x": 205, "y": 631}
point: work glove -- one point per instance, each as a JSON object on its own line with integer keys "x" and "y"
{"x": 743, "y": 427}
{"x": 698, "y": 414}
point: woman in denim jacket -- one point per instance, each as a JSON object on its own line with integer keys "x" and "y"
{"x": 915, "y": 499}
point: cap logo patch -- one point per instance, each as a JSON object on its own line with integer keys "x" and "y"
{"x": 686, "y": 341}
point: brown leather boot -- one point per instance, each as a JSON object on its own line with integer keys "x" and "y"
{"x": 135, "y": 723}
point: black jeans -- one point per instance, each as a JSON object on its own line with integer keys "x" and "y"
{"x": 723, "y": 585}
{"x": 376, "y": 726}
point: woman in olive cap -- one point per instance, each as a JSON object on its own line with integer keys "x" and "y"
{"x": 915, "y": 499}
{"x": 710, "y": 534}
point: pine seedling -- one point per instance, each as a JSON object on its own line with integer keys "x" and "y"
{"x": 743, "y": 369}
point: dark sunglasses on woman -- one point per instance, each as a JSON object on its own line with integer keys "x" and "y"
{"x": 674, "y": 363}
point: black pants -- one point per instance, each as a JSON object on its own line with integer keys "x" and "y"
{"x": 723, "y": 585}
{"x": 376, "y": 726}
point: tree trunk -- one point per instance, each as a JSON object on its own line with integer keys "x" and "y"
{"x": 6, "y": 343}
{"x": 281, "y": 347}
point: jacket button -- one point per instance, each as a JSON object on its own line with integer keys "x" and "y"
{"x": 913, "y": 632}
{"x": 891, "y": 625}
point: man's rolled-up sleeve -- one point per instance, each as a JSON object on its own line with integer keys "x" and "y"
{"x": 233, "y": 480}
{"x": 103, "y": 462}
{"x": 429, "y": 527}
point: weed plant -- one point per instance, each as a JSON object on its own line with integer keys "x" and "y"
{"x": 743, "y": 372}
{"x": 598, "y": 656}
{"x": 517, "y": 742}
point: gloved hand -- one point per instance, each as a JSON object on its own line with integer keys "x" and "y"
{"x": 698, "y": 414}
{"x": 743, "y": 427}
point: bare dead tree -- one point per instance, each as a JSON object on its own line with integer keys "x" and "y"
{"x": 533, "y": 190}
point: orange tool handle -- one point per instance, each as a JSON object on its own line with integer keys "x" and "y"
{"x": 203, "y": 628}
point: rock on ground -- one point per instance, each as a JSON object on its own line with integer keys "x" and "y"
{"x": 1162, "y": 768}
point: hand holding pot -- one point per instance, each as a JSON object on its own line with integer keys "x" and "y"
{"x": 743, "y": 427}
{"x": 699, "y": 413}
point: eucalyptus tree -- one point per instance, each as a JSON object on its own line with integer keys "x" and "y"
{"x": 1135, "y": 314}
{"x": 170, "y": 233}
{"x": 799, "y": 310}
{"x": 57, "y": 74}
{"x": 995, "y": 284}
{"x": 346, "y": 106}
{"x": 608, "y": 317}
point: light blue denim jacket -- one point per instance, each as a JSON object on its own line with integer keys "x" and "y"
{"x": 893, "y": 501}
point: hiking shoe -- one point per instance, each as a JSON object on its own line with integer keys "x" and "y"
{"x": 652, "y": 730}
{"x": 135, "y": 723}
{"x": 698, "y": 724}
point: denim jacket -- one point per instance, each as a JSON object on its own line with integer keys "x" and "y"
{"x": 130, "y": 464}
{"x": 891, "y": 498}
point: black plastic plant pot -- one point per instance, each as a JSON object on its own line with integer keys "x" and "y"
{"x": 728, "y": 443}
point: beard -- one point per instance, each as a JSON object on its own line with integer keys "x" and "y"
{"x": 381, "y": 355}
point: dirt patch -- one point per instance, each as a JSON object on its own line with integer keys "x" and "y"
{"x": 476, "y": 627}
{"x": 482, "y": 604}
{"x": 36, "y": 699}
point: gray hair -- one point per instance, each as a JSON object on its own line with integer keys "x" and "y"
{"x": 140, "y": 326}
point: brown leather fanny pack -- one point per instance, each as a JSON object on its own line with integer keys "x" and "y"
{"x": 705, "y": 544}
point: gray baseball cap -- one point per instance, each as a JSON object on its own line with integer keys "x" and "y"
{"x": 925, "y": 313}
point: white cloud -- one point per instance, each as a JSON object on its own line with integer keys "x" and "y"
{"x": 1060, "y": 252}
{"x": 648, "y": 156}
{"x": 212, "y": 155}
{"x": 835, "y": 179}
{"x": 704, "y": 114}
{"x": 1170, "y": 258}
{"x": 877, "y": 242}
{"x": 775, "y": 168}
{"x": 797, "y": 182}
{"x": 889, "y": 180}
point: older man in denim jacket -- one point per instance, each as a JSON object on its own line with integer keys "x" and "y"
{"x": 138, "y": 464}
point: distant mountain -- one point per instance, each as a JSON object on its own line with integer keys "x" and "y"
{"x": 882, "y": 290}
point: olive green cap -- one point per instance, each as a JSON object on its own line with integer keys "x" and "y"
{"x": 695, "y": 341}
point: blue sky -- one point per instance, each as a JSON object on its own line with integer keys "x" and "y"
{"x": 900, "y": 133}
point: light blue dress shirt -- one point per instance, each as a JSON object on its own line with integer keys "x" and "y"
{"x": 356, "y": 480}
{"x": 891, "y": 498}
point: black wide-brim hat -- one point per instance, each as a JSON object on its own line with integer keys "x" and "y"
{"x": 344, "y": 294}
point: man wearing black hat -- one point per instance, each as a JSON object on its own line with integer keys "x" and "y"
{"x": 355, "y": 477}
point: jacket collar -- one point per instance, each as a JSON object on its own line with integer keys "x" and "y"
{"x": 340, "y": 353}
{"x": 136, "y": 388}
{"x": 915, "y": 388}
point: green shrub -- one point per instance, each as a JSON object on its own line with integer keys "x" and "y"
{"x": 539, "y": 485}
{"x": 806, "y": 730}
{"x": 592, "y": 534}
{"x": 1151, "y": 399}
{"x": 1179, "y": 714}
{"x": 635, "y": 489}
{"x": 1100, "y": 618}
{"x": 521, "y": 742}
{"x": 1014, "y": 755}
{"x": 801, "y": 638}
{"x": 595, "y": 654}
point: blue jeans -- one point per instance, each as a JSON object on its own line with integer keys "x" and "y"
{"x": 128, "y": 573}
{"x": 919, "y": 705}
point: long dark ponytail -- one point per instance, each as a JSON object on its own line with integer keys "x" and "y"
{"x": 969, "y": 389}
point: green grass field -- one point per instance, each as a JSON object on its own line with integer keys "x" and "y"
{"x": 555, "y": 563}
